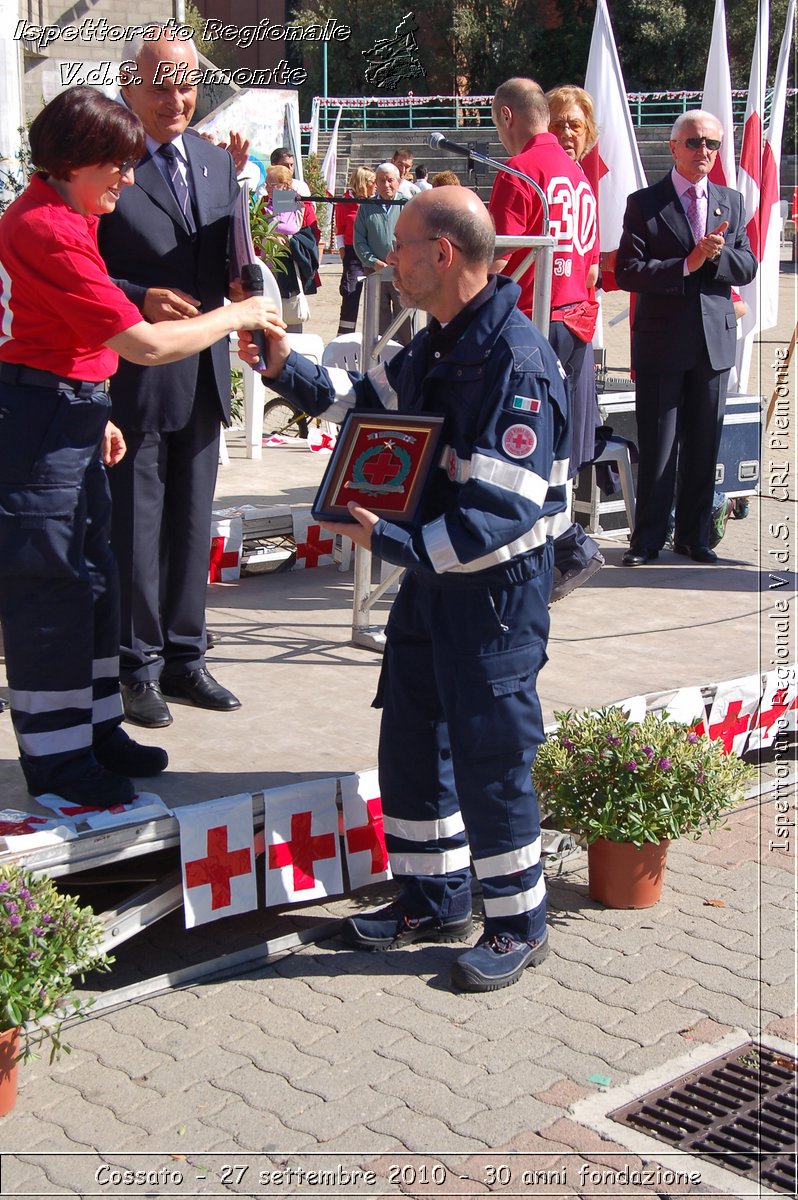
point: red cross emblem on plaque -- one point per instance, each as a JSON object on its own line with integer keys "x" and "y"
{"x": 519, "y": 441}
{"x": 732, "y": 724}
{"x": 383, "y": 467}
{"x": 219, "y": 559}
{"x": 314, "y": 546}
{"x": 302, "y": 850}
{"x": 218, "y": 867}
{"x": 370, "y": 836}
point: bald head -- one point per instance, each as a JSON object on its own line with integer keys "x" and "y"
{"x": 520, "y": 111}
{"x": 458, "y": 214}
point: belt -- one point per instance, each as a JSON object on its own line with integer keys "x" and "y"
{"x": 16, "y": 374}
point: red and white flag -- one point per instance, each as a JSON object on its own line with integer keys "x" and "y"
{"x": 303, "y": 850}
{"x": 217, "y": 852}
{"x": 227, "y": 536}
{"x": 778, "y": 710}
{"x": 364, "y": 836}
{"x": 758, "y": 180}
{"x": 732, "y": 711}
{"x": 717, "y": 98}
{"x": 314, "y": 545}
{"x": 22, "y": 830}
{"x": 613, "y": 166}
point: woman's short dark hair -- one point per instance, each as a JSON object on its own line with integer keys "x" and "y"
{"x": 80, "y": 128}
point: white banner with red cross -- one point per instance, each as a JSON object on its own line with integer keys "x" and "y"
{"x": 303, "y": 850}
{"x": 314, "y": 546}
{"x": 145, "y": 806}
{"x": 733, "y": 707}
{"x": 23, "y": 831}
{"x": 687, "y": 707}
{"x": 227, "y": 540}
{"x": 778, "y": 709}
{"x": 217, "y": 853}
{"x": 364, "y": 836}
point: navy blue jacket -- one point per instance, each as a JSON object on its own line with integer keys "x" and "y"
{"x": 498, "y": 491}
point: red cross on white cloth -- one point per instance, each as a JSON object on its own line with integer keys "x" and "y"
{"x": 778, "y": 708}
{"x": 364, "y": 836}
{"x": 732, "y": 709}
{"x": 303, "y": 850}
{"x": 217, "y": 852}
{"x": 314, "y": 547}
{"x": 227, "y": 539}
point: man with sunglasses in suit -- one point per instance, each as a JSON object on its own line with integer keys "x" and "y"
{"x": 683, "y": 248}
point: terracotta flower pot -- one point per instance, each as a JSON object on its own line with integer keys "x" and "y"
{"x": 621, "y": 875}
{"x": 9, "y": 1039}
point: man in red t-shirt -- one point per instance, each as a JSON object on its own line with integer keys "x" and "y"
{"x": 521, "y": 117}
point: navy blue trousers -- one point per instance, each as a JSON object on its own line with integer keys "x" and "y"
{"x": 460, "y": 729}
{"x": 59, "y": 596}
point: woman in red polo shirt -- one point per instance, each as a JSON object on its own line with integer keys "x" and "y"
{"x": 63, "y": 323}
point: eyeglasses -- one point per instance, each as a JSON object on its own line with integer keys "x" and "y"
{"x": 575, "y": 125}
{"x": 695, "y": 143}
{"x": 127, "y": 165}
{"x": 396, "y": 245}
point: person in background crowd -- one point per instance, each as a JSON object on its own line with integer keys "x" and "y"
{"x": 166, "y": 245}
{"x": 373, "y": 238}
{"x": 283, "y": 157}
{"x": 684, "y": 247}
{"x": 362, "y": 184}
{"x": 521, "y": 117}
{"x": 402, "y": 159}
{"x": 296, "y": 275}
{"x": 446, "y": 179}
{"x": 466, "y": 636}
{"x": 65, "y": 324}
{"x": 422, "y": 178}
{"x": 573, "y": 123}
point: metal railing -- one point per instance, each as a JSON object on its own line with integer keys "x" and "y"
{"x": 454, "y": 112}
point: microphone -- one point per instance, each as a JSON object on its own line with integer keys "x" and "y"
{"x": 439, "y": 142}
{"x": 252, "y": 285}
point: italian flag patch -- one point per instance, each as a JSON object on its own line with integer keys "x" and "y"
{"x": 525, "y": 404}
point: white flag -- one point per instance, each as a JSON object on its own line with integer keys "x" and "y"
{"x": 613, "y": 166}
{"x": 313, "y": 144}
{"x": 732, "y": 711}
{"x": 364, "y": 836}
{"x": 217, "y": 853}
{"x": 303, "y": 850}
{"x": 778, "y": 708}
{"x": 749, "y": 182}
{"x": 717, "y": 98}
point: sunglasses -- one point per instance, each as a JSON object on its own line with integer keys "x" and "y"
{"x": 575, "y": 125}
{"x": 127, "y": 165}
{"x": 695, "y": 143}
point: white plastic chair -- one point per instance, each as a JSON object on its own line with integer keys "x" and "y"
{"x": 309, "y": 344}
{"x": 346, "y": 351}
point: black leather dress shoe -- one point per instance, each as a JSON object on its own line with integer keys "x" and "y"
{"x": 144, "y": 704}
{"x": 699, "y": 554}
{"x": 201, "y": 689}
{"x": 97, "y": 788}
{"x": 638, "y": 558}
{"x": 123, "y": 756}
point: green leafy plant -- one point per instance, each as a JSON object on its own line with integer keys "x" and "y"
{"x": 270, "y": 245}
{"x": 14, "y": 179}
{"x": 604, "y": 776}
{"x": 46, "y": 938}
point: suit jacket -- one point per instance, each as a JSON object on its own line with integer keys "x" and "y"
{"x": 145, "y": 243}
{"x": 676, "y": 314}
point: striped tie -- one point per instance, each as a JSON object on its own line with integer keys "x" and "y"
{"x": 179, "y": 185}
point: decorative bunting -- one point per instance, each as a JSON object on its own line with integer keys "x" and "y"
{"x": 733, "y": 707}
{"x": 778, "y": 708}
{"x": 303, "y": 852}
{"x": 687, "y": 707}
{"x": 23, "y": 831}
{"x": 314, "y": 546}
{"x": 217, "y": 852}
{"x": 364, "y": 838}
{"x": 227, "y": 536}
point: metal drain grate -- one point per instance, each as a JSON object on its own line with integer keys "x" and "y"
{"x": 738, "y": 1111}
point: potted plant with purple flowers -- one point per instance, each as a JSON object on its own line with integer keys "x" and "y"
{"x": 46, "y": 938}
{"x": 629, "y": 788}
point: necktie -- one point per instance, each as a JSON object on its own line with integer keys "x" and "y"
{"x": 694, "y": 214}
{"x": 179, "y": 185}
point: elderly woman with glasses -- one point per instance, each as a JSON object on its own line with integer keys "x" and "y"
{"x": 65, "y": 324}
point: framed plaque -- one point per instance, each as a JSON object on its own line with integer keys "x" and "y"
{"x": 382, "y": 461}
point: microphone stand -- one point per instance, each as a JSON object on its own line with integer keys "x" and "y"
{"x": 542, "y": 286}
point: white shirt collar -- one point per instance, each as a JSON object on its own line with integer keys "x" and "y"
{"x": 153, "y": 145}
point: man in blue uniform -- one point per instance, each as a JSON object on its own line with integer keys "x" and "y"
{"x": 467, "y": 633}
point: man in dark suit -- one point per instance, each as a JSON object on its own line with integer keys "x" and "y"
{"x": 683, "y": 248}
{"x": 166, "y": 246}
